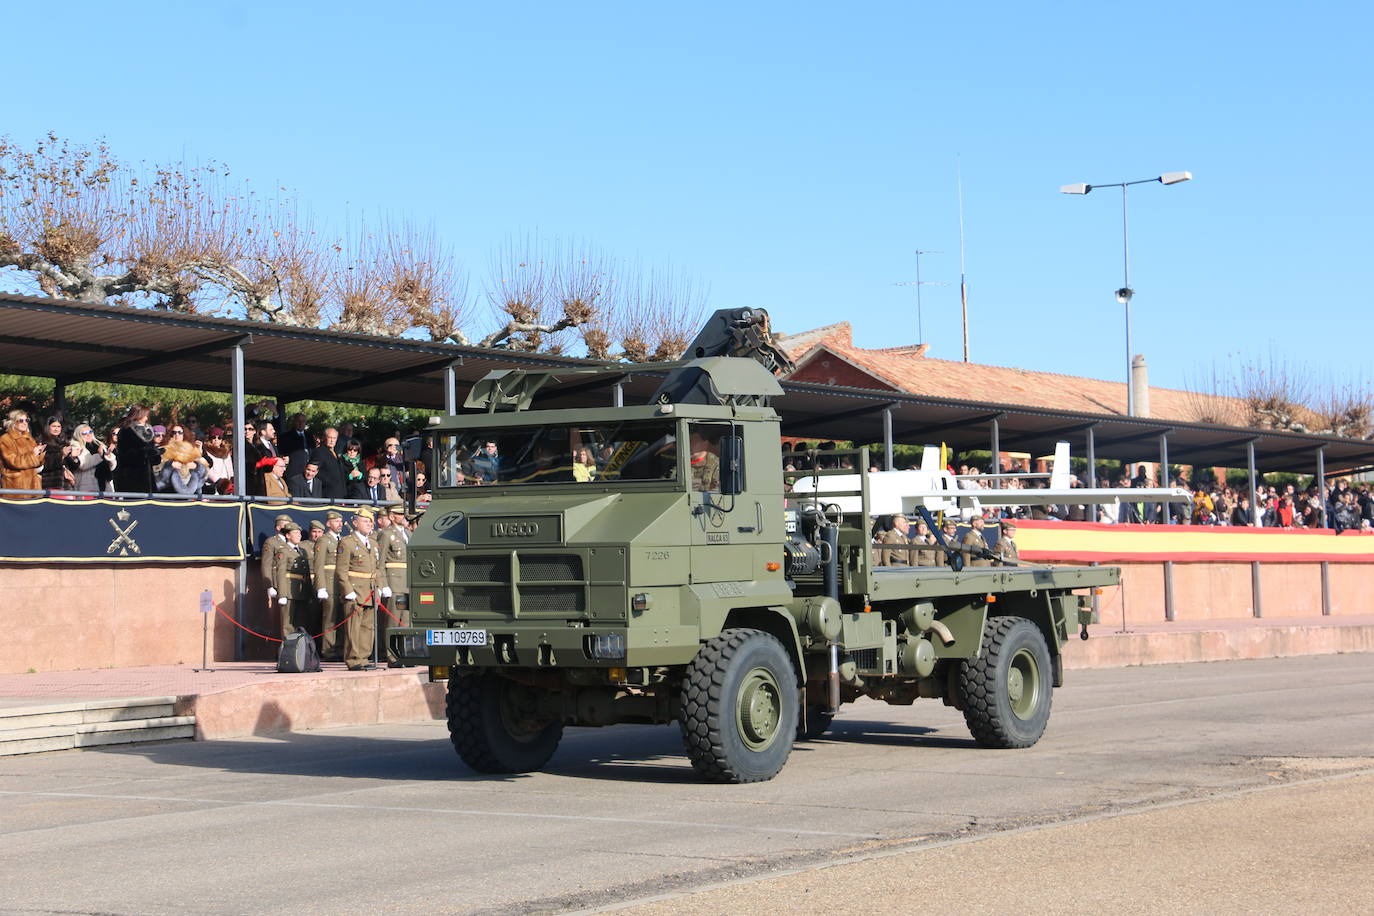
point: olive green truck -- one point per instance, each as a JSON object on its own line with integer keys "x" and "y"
{"x": 649, "y": 564}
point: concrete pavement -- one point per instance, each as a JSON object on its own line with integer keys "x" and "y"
{"x": 386, "y": 818}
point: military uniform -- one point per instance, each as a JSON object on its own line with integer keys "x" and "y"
{"x": 291, "y": 579}
{"x": 927, "y": 552}
{"x": 393, "y": 542}
{"x": 358, "y": 573}
{"x": 271, "y": 545}
{"x": 1005, "y": 550}
{"x": 706, "y": 472}
{"x": 897, "y": 554}
{"x": 974, "y": 548}
{"x": 322, "y": 567}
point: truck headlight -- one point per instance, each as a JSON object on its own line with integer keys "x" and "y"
{"x": 410, "y": 645}
{"x": 606, "y": 645}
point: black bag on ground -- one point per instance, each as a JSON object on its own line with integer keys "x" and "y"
{"x": 298, "y": 653}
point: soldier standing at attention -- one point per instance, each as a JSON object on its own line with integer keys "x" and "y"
{"x": 395, "y": 539}
{"x": 358, "y": 582}
{"x": 322, "y": 567}
{"x": 274, "y": 542}
{"x": 291, "y": 579}
{"x": 1005, "y": 551}
{"x": 897, "y": 554}
{"x": 974, "y": 547}
{"x": 314, "y": 533}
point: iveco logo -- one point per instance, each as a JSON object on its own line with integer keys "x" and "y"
{"x": 514, "y": 529}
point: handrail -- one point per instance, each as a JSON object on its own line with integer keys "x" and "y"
{"x": 200, "y": 497}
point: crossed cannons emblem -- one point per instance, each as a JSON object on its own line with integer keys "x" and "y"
{"x": 123, "y": 542}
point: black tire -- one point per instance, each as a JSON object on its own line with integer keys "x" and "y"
{"x": 1007, "y": 688}
{"x": 818, "y": 719}
{"x": 493, "y": 725}
{"x": 739, "y": 707}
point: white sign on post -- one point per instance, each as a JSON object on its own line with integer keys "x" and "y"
{"x": 207, "y": 602}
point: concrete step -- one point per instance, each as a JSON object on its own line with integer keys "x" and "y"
{"x": 91, "y": 723}
{"x": 85, "y": 712}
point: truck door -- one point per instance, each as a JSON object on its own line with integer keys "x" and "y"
{"x": 726, "y": 529}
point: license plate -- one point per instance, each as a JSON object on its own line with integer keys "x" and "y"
{"x": 456, "y": 637}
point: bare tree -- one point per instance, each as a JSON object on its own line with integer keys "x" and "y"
{"x": 78, "y": 224}
{"x": 1272, "y": 394}
{"x": 83, "y": 226}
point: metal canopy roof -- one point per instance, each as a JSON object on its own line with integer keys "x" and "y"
{"x": 72, "y": 341}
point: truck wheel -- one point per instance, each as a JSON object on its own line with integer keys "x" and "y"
{"x": 496, "y": 725}
{"x": 739, "y": 707}
{"x": 818, "y": 719}
{"x": 1006, "y": 689}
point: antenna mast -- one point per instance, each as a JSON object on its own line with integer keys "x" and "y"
{"x": 963, "y": 283}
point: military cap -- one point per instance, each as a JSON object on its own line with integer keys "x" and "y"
{"x": 1008, "y": 523}
{"x": 397, "y": 509}
{"x": 316, "y": 524}
{"x": 290, "y": 526}
{"x": 364, "y": 512}
{"x": 282, "y": 519}
{"x": 331, "y": 514}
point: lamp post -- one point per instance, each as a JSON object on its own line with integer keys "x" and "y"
{"x": 1124, "y": 294}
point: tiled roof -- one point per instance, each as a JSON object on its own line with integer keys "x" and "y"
{"x": 908, "y": 369}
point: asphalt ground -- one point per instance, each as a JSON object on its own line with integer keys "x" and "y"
{"x": 1220, "y": 787}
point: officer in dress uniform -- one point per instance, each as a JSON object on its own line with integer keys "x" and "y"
{"x": 393, "y": 542}
{"x": 1005, "y": 551}
{"x": 896, "y": 536}
{"x": 927, "y": 552}
{"x": 274, "y": 542}
{"x": 291, "y": 579}
{"x": 358, "y": 584}
{"x": 322, "y": 568}
{"x": 974, "y": 547}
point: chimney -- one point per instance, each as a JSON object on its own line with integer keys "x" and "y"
{"x": 1140, "y": 380}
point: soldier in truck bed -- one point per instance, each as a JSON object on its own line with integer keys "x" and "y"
{"x": 895, "y": 552}
{"x": 975, "y": 549}
{"x": 1005, "y": 551}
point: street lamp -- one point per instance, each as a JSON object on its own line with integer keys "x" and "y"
{"x": 1124, "y": 294}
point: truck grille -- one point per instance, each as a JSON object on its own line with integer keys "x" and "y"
{"x": 481, "y": 599}
{"x": 541, "y": 568}
{"x": 553, "y": 599}
{"x": 482, "y": 584}
{"x": 481, "y": 569}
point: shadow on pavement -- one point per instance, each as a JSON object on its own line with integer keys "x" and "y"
{"x": 623, "y": 753}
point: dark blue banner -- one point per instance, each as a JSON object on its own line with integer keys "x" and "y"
{"x": 119, "y": 531}
{"x": 262, "y": 520}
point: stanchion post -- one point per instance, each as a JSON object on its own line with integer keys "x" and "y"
{"x": 207, "y": 606}
{"x": 1168, "y": 589}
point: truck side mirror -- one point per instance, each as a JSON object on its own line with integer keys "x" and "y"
{"x": 731, "y": 465}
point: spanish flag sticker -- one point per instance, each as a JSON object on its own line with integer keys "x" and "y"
{"x": 426, "y": 597}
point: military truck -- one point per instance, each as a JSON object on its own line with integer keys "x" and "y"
{"x": 647, "y": 564}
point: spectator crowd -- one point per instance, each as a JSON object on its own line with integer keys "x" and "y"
{"x": 283, "y": 458}
{"x": 1341, "y": 504}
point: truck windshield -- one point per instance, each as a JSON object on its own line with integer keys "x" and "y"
{"x": 585, "y": 453}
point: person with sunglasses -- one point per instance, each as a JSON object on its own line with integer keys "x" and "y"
{"x": 86, "y": 456}
{"x": 20, "y": 455}
{"x": 221, "y": 459}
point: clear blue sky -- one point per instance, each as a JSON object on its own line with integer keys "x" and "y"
{"x": 792, "y": 155}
